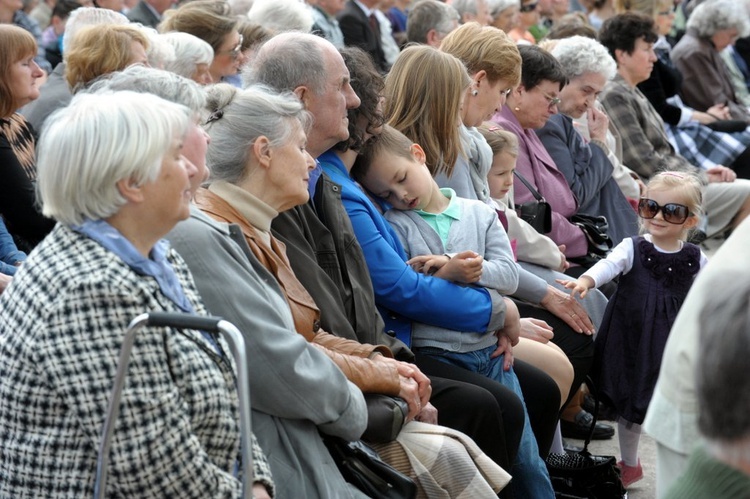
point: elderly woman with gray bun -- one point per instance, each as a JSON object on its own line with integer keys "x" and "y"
{"x": 713, "y": 26}
{"x": 193, "y": 57}
{"x": 65, "y": 314}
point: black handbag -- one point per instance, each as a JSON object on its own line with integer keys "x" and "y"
{"x": 727, "y": 126}
{"x": 595, "y": 228}
{"x": 362, "y": 467}
{"x": 386, "y": 416}
{"x": 585, "y": 476}
{"x": 537, "y": 213}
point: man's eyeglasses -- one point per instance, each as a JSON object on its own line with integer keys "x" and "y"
{"x": 235, "y": 52}
{"x": 529, "y": 7}
{"x": 672, "y": 213}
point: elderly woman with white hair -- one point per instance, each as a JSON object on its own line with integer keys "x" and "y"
{"x": 712, "y": 27}
{"x": 193, "y": 57}
{"x": 65, "y": 314}
{"x": 504, "y": 13}
{"x": 586, "y": 166}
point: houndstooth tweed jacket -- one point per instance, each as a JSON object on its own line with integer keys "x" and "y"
{"x": 62, "y": 322}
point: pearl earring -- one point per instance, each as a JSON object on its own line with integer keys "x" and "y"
{"x": 475, "y": 92}
{"x": 516, "y": 109}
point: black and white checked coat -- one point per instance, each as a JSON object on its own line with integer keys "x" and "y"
{"x": 61, "y": 326}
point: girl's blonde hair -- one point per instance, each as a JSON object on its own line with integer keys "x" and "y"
{"x": 687, "y": 185}
{"x": 499, "y": 140}
{"x": 423, "y": 94}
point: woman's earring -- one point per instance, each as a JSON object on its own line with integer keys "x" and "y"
{"x": 516, "y": 109}
{"x": 475, "y": 92}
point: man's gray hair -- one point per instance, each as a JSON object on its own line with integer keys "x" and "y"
{"x": 721, "y": 379}
{"x": 281, "y": 15}
{"x": 165, "y": 84}
{"x": 239, "y": 117}
{"x": 713, "y": 16}
{"x": 579, "y": 55}
{"x": 430, "y": 14}
{"x": 189, "y": 51}
{"x": 97, "y": 141}
{"x": 288, "y": 61}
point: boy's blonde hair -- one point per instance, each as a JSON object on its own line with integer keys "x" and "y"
{"x": 499, "y": 140}
{"x": 390, "y": 141}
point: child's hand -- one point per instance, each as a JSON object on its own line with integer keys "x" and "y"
{"x": 465, "y": 267}
{"x": 509, "y": 334}
{"x": 580, "y": 286}
{"x": 428, "y": 264}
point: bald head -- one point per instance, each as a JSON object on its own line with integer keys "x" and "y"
{"x": 312, "y": 68}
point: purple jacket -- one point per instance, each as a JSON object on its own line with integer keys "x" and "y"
{"x": 538, "y": 168}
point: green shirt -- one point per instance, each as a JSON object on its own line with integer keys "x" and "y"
{"x": 441, "y": 222}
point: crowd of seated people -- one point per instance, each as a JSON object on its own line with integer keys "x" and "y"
{"x": 302, "y": 171}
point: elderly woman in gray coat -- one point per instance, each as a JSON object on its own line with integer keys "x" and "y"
{"x": 63, "y": 319}
{"x": 586, "y": 166}
{"x": 712, "y": 27}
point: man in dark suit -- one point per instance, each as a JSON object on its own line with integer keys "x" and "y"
{"x": 361, "y": 28}
{"x": 149, "y": 12}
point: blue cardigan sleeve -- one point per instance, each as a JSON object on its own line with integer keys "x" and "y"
{"x": 399, "y": 288}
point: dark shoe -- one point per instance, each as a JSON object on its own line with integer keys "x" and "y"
{"x": 606, "y": 413}
{"x": 579, "y": 429}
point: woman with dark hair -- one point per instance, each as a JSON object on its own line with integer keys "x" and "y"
{"x": 630, "y": 37}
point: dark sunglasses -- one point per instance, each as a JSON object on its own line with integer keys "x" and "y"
{"x": 672, "y": 213}
{"x": 529, "y": 7}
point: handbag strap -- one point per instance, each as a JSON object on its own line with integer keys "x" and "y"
{"x": 531, "y": 189}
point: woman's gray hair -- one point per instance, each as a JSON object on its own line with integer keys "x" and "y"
{"x": 713, "y": 16}
{"x": 579, "y": 55}
{"x": 465, "y": 7}
{"x": 281, "y": 15}
{"x": 497, "y": 6}
{"x": 95, "y": 142}
{"x": 239, "y": 117}
{"x": 189, "y": 51}
{"x": 165, "y": 84}
{"x": 159, "y": 52}
{"x": 89, "y": 16}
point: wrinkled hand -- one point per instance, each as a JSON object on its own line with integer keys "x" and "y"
{"x": 720, "y": 111}
{"x": 5, "y": 281}
{"x": 568, "y": 309}
{"x": 537, "y": 330}
{"x": 428, "y": 415}
{"x": 412, "y": 371}
{"x": 464, "y": 267}
{"x": 564, "y": 263}
{"x": 428, "y": 264}
{"x": 598, "y": 124}
{"x": 721, "y": 174}
{"x": 409, "y": 391}
{"x": 260, "y": 491}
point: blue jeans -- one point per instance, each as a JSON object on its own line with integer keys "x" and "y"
{"x": 530, "y": 477}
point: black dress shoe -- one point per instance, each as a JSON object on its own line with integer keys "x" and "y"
{"x": 579, "y": 429}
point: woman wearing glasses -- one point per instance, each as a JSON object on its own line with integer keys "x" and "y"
{"x": 656, "y": 271}
{"x": 212, "y": 22}
{"x": 528, "y": 17}
{"x": 527, "y": 109}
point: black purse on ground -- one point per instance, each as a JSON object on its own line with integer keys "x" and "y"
{"x": 386, "y": 416}
{"x": 595, "y": 228}
{"x": 583, "y": 475}
{"x": 362, "y": 467}
{"x": 537, "y": 213}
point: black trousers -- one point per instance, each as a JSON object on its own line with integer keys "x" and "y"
{"x": 490, "y": 413}
{"x": 579, "y": 348}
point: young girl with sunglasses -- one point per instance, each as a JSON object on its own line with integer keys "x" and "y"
{"x": 656, "y": 271}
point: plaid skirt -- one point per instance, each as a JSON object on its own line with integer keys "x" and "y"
{"x": 704, "y": 147}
